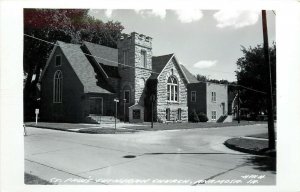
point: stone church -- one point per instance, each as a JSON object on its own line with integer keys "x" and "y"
{"x": 82, "y": 82}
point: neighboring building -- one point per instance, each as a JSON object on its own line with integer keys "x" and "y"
{"x": 80, "y": 83}
{"x": 208, "y": 98}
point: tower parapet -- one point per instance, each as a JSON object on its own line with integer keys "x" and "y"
{"x": 137, "y": 39}
{"x": 135, "y": 58}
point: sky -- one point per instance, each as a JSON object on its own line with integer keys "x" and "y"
{"x": 207, "y": 42}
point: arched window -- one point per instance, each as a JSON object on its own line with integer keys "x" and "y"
{"x": 57, "y": 88}
{"x": 172, "y": 89}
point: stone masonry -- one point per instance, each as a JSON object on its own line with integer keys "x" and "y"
{"x": 162, "y": 103}
{"x": 136, "y": 75}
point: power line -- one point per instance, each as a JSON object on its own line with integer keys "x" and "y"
{"x": 218, "y": 71}
{"x": 229, "y": 84}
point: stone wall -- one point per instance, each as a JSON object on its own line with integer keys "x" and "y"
{"x": 134, "y": 75}
{"x": 162, "y": 103}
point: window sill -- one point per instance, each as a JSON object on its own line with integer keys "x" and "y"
{"x": 173, "y": 102}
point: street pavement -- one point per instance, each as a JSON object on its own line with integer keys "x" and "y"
{"x": 173, "y": 157}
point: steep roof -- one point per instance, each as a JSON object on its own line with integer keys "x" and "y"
{"x": 105, "y": 55}
{"x": 191, "y": 78}
{"x": 81, "y": 67}
{"x": 159, "y": 62}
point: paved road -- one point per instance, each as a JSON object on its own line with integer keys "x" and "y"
{"x": 185, "y": 157}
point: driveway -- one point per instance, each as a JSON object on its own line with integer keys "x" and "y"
{"x": 184, "y": 157}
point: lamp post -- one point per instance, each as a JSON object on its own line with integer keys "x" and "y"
{"x": 124, "y": 109}
{"x": 116, "y": 100}
{"x": 152, "y": 98}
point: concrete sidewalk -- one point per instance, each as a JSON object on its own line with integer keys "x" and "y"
{"x": 78, "y": 127}
{"x": 129, "y": 127}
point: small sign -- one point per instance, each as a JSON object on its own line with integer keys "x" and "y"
{"x": 37, "y": 111}
{"x": 116, "y": 100}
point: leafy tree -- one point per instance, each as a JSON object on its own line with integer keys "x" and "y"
{"x": 253, "y": 73}
{"x": 201, "y": 77}
{"x": 68, "y": 25}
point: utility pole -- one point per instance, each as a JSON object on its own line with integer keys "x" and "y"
{"x": 124, "y": 109}
{"x": 271, "y": 131}
{"x": 116, "y": 100}
{"x": 151, "y": 111}
{"x": 239, "y": 106}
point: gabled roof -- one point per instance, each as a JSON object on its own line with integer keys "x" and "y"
{"x": 102, "y": 54}
{"x": 159, "y": 62}
{"x": 81, "y": 67}
{"x": 111, "y": 71}
{"x": 190, "y": 77}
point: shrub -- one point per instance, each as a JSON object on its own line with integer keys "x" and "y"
{"x": 202, "y": 117}
{"x": 194, "y": 117}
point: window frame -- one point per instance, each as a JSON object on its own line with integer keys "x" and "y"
{"x": 213, "y": 96}
{"x": 57, "y": 86}
{"x": 195, "y": 96}
{"x": 125, "y": 58}
{"x": 213, "y": 116}
{"x": 144, "y": 58}
{"x": 173, "y": 90}
{"x": 60, "y": 60}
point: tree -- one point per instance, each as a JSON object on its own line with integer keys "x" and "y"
{"x": 68, "y": 25}
{"x": 201, "y": 77}
{"x": 252, "y": 72}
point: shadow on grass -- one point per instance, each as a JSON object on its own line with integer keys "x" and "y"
{"x": 262, "y": 163}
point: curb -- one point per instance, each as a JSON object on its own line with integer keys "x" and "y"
{"x": 264, "y": 152}
{"x": 76, "y": 131}
{"x": 53, "y": 128}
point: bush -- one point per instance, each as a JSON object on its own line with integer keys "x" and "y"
{"x": 202, "y": 117}
{"x": 194, "y": 117}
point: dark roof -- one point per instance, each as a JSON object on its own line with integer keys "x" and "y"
{"x": 111, "y": 71}
{"x": 102, "y": 54}
{"x": 82, "y": 67}
{"x": 190, "y": 77}
{"x": 159, "y": 62}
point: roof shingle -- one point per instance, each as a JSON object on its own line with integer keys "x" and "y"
{"x": 102, "y": 54}
{"x": 159, "y": 62}
{"x": 81, "y": 67}
{"x": 190, "y": 77}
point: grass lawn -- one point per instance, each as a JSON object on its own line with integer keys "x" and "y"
{"x": 253, "y": 146}
{"x": 62, "y": 126}
{"x": 146, "y": 126}
{"x": 262, "y": 135}
{"x": 171, "y": 126}
{"x": 105, "y": 131}
{"x": 34, "y": 180}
